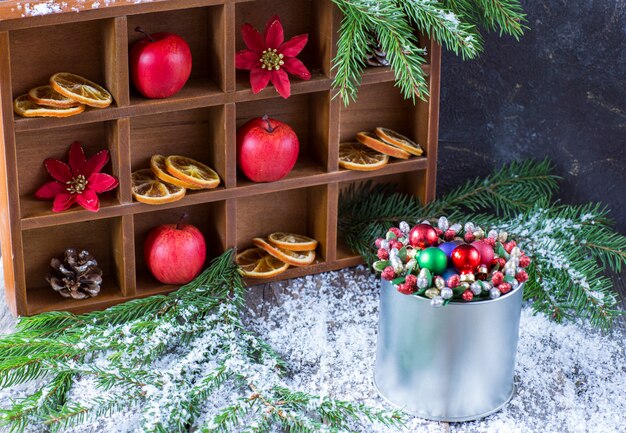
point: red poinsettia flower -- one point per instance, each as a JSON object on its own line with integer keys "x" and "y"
{"x": 268, "y": 58}
{"x": 79, "y": 182}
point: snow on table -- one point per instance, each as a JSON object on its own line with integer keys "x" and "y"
{"x": 569, "y": 378}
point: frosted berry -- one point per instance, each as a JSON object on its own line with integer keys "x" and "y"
{"x": 490, "y": 241}
{"x": 446, "y": 293}
{"x": 476, "y": 288}
{"x": 443, "y": 224}
{"x": 404, "y": 227}
{"x": 509, "y": 246}
{"x": 411, "y": 280}
{"x": 395, "y": 244}
{"x": 449, "y": 234}
{"x": 497, "y": 278}
{"x": 499, "y": 262}
{"x": 524, "y": 261}
{"x": 453, "y": 281}
{"x": 439, "y": 232}
{"x": 467, "y": 295}
{"x": 396, "y": 231}
{"x": 437, "y": 301}
{"x": 479, "y": 233}
{"x": 522, "y": 276}
{"x": 379, "y": 242}
{"x": 383, "y": 254}
{"x": 388, "y": 274}
{"x": 406, "y": 289}
{"x": 494, "y": 293}
{"x": 469, "y": 237}
{"x": 504, "y": 288}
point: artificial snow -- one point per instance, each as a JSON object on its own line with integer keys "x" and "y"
{"x": 49, "y": 7}
{"x": 569, "y": 378}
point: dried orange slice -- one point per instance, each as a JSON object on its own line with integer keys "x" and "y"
{"x": 157, "y": 164}
{"x": 24, "y": 107}
{"x": 372, "y": 141}
{"x": 396, "y": 139}
{"x": 357, "y": 156}
{"x": 256, "y": 263}
{"x": 46, "y": 95}
{"x": 292, "y": 242}
{"x": 294, "y": 258}
{"x": 191, "y": 171}
{"x": 81, "y": 89}
{"x": 147, "y": 188}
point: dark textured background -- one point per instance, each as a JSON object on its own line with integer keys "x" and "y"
{"x": 558, "y": 92}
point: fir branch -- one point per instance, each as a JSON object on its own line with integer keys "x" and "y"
{"x": 36, "y": 407}
{"x": 78, "y": 413}
{"x": 571, "y": 285}
{"x": 445, "y": 27}
{"x": 367, "y": 211}
{"x": 564, "y": 283}
{"x": 389, "y": 20}
{"x": 123, "y": 351}
{"x": 507, "y": 15}
{"x": 514, "y": 188}
{"x": 453, "y": 23}
{"x": 350, "y": 60}
{"x": 228, "y": 417}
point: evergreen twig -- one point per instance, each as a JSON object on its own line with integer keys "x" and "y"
{"x": 367, "y": 211}
{"x": 166, "y": 355}
{"x": 452, "y": 23}
{"x": 569, "y": 245}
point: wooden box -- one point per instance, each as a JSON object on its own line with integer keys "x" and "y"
{"x": 201, "y": 122}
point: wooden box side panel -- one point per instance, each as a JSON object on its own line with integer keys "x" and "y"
{"x": 10, "y": 230}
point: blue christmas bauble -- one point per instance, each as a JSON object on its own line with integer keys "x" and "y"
{"x": 447, "y": 248}
{"x": 448, "y": 273}
{"x": 433, "y": 259}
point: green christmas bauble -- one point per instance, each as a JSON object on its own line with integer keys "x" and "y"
{"x": 433, "y": 259}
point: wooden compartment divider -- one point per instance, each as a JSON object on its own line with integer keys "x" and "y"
{"x": 200, "y": 122}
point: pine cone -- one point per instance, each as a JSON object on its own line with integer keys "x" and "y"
{"x": 376, "y": 56}
{"x": 77, "y": 276}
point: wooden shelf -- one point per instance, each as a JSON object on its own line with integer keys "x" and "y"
{"x": 198, "y": 92}
{"x": 200, "y": 122}
{"x": 303, "y": 175}
{"x": 40, "y": 301}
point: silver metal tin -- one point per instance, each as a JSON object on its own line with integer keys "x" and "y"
{"x": 453, "y": 363}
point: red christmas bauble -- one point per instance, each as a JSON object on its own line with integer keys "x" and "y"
{"x": 486, "y": 252}
{"x": 465, "y": 258}
{"x": 423, "y": 236}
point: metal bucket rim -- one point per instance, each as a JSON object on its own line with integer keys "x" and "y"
{"x": 471, "y": 304}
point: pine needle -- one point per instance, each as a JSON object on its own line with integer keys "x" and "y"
{"x": 452, "y": 23}
{"x": 570, "y": 245}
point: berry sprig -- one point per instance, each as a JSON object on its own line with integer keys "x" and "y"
{"x": 450, "y": 262}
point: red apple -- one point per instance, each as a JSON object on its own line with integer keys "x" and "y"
{"x": 267, "y": 149}
{"x": 160, "y": 64}
{"x": 175, "y": 253}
